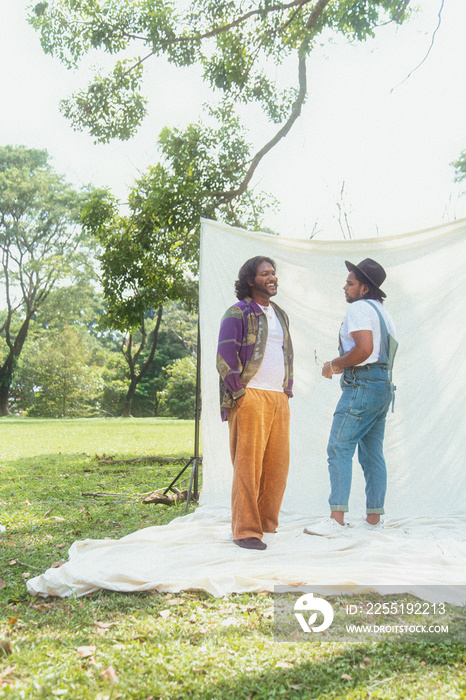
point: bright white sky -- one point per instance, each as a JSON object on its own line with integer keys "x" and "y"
{"x": 392, "y": 149}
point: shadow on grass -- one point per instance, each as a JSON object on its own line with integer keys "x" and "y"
{"x": 383, "y": 670}
{"x": 169, "y": 668}
{"x": 198, "y": 653}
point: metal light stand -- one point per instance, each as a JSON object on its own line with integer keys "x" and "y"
{"x": 194, "y": 461}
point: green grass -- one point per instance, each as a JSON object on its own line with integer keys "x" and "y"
{"x": 186, "y": 645}
{"x": 29, "y": 437}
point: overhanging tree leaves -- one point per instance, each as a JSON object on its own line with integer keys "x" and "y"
{"x": 41, "y": 243}
{"x": 238, "y": 46}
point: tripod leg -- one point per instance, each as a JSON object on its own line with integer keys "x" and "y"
{"x": 194, "y": 474}
{"x": 169, "y": 488}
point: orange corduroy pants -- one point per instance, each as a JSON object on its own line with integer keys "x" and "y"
{"x": 260, "y": 452}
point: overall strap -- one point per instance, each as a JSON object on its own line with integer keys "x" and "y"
{"x": 388, "y": 348}
{"x": 384, "y": 342}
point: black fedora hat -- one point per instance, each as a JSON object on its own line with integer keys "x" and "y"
{"x": 371, "y": 270}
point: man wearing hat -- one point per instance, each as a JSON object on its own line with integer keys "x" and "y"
{"x": 367, "y": 349}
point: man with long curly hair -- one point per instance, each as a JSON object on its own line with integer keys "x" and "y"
{"x": 255, "y": 362}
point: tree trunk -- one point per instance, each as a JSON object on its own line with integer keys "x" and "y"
{"x": 129, "y": 397}
{"x": 4, "y": 394}
{"x": 6, "y": 374}
{"x": 6, "y": 370}
{"x": 136, "y": 378}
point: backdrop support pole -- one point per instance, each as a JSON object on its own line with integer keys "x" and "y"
{"x": 193, "y": 491}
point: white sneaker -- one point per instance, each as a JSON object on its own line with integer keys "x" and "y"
{"x": 327, "y": 528}
{"x": 372, "y": 528}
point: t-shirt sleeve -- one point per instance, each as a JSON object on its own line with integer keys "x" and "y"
{"x": 360, "y": 317}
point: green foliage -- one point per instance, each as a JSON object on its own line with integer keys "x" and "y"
{"x": 199, "y": 164}
{"x": 57, "y": 378}
{"x": 115, "y": 385}
{"x": 151, "y": 254}
{"x": 177, "y": 339}
{"x": 37, "y": 207}
{"x": 143, "y": 264}
{"x": 117, "y": 96}
{"x": 179, "y": 397}
{"x": 460, "y": 167}
{"x": 73, "y": 305}
{"x": 64, "y": 338}
{"x": 237, "y": 45}
{"x": 41, "y": 244}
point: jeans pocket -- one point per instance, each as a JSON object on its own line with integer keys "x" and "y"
{"x": 375, "y": 396}
{"x": 349, "y": 413}
{"x": 349, "y": 427}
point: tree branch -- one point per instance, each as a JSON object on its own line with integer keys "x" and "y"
{"x": 240, "y": 20}
{"x": 148, "y": 362}
{"x": 315, "y": 14}
{"x": 267, "y": 35}
{"x": 295, "y": 112}
{"x": 299, "y": 4}
{"x": 138, "y": 63}
{"x": 429, "y": 49}
{"x": 127, "y": 353}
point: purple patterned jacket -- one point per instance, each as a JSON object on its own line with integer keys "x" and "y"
{"x": 241, "y": 346}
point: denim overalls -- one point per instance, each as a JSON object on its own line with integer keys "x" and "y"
{"x": 359, "y": 419}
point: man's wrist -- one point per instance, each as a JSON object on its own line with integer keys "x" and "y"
{"x": 238, "y": 394}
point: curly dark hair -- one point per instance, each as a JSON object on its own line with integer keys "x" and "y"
{"x": 247, "y": 273}
{"x": 374, "y": 292}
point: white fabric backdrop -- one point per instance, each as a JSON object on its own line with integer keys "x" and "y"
{"x": 425, "y": 436}
{"x": 424, "y": 543}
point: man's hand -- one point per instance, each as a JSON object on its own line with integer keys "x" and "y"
{"x": 328, "y": 370}
{"x": 359, "y": 353}
{"x": 240, "y": 400}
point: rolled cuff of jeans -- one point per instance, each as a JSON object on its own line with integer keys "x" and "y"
{"x": 343, "y": 508}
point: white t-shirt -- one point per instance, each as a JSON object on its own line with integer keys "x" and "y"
{"x": 271, "y": 374}
{"x": 361, "y": 316}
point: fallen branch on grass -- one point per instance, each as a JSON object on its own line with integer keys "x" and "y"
{"x": 141, "y": 460}
{"x": 167, "y": 499}
{"x": 105, "y": 494}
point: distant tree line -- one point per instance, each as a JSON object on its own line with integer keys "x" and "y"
{"x": 70, "y": 368}
{"x": 68, "y": 344}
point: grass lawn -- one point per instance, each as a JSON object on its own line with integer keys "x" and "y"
{"x": 153, "y": 645}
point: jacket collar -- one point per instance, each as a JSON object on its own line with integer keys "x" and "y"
{"x": 255, "y": 306}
